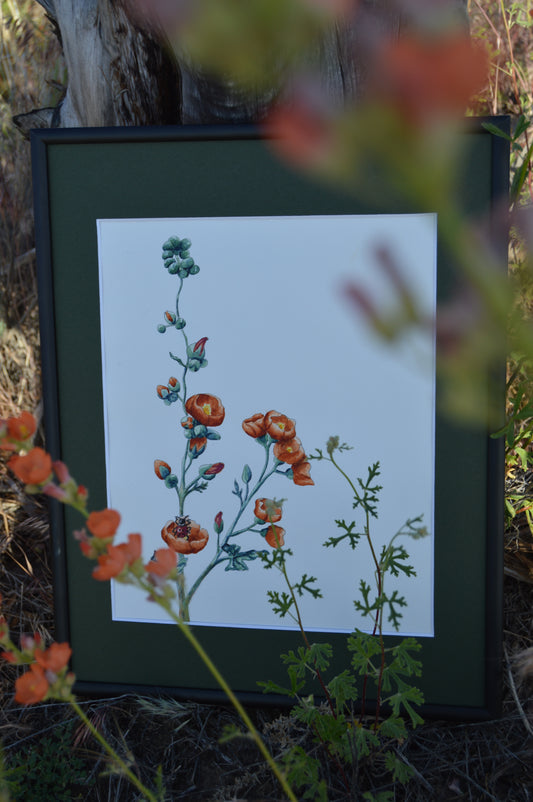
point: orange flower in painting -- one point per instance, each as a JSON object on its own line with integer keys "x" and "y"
{"x": 55, "y": 657}
{"x": 103, "y": 523}
{"x": 206, "y": 409}
{"x": 275, "y": 536}
{"x": 184, "y": 536}
{"x": 300, "y": 473}
{"x": 289, "y": 451}
{"x": 279, "y": 426}
{"x": 260, "y": 511}
{"x": 21, "y": 427}
{"x": 32, "y": 686}
{"x": 255, "y": 425}
{"x": 34, "y": 468}
{"x": 163, "y": 563}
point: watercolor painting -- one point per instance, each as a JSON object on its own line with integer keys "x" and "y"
{"x": 228, "y": 357}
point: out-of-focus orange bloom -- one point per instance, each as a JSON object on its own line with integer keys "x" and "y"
{"x": 206, "y": 409}
{"x": 32, "y": 686}
{"x": 300, "y": 473}
{"x": 255, "y": 425}
{"x": 117, "y": 558}
{"x": 10, "y": 657}
{"x": 103, "y": 523}
{"x": 110, "y": 564}
{"x": 184, "y": 536}
{"x": 289, "y": 451}
{"x": 301, "y": 134}
{"x": 163, "y": 563}
{"x": 21, "y": 427}
{"x": 426, "y": 78}
{"x": 275, "y": 536}
{"x": 260, "y": 511}
{"x": 33, "y": 468}
{"x": 279, "y": 426}
{"x": 55, "y": 657}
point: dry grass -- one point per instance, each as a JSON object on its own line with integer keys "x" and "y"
{"x": 490, "y": 761}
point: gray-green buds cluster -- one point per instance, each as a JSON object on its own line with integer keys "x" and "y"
{"x": 177, "y": 259}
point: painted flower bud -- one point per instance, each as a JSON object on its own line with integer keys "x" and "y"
{"x": 185, "y": 244}
{"x": 197, "y": 446}
{"x": 180, "y": 323}
{"x": 219, "y": 523}
{"x": 246, "y": 474}
{"x": 181, "y": 271}
{"x": 170, "y": 316}
{"x": 174, "y": 384}
{"x": 162, "y": 469}
{"x": 171, "y": 481}
{"x": 195, "y": 269}
{"x": 173, "y": 269}
{"x": 161, "y": 329}
{"x": 210, "y": 471}
{"x": 187, "y": 422}
{"x": 187, "y": 263}
{"x": 162, "y": 391}
{"x": 198, "y": 349}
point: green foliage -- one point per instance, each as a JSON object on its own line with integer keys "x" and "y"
{"x": 48, "y": 770}
{"x": 348, "y": 738}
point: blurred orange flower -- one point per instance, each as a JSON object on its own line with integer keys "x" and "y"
{"x": 289, "y": 451}
{"x": 300, "y": 473}
{"x": 55, "y": 657}
{"x": 33, "y": 468}
{"x": 275, "y": 536}
{"x": 431, "y": 77}
{"x": 21, "y": 427}
{"x": 163, "y": 563}
{"x": 185, "y": 537}
{"x": 103, "y": 523}
{"x": 255, "y": 425}
{"x": 117, "y": 558}
{"x": 260, "y": 511}
{"x": 279, "y": 426}
{"x": 32, "y": 686}
{"x": 206, "y": 409}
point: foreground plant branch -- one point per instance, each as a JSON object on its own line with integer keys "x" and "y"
{"x": 48, "y": 676}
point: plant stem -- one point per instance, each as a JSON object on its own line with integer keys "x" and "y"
{"x": 186, "y": 630}
{"x": 111, "y": 752}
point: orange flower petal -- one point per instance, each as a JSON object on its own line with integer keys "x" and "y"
{"x": 34, "y": 468}
{"x": 275, "y": 536}
{"x": 289, "y": 451}
{"x": 206, "y": 409}
{"x": 163, "y": 564}
{"x": 300, "y": 473}
{"x": 279, "y": 426}
{"x": 32, "y": 686}
{"x": 185, "y": 539}
{"x": 260, "y": 512}
{"x": 103, "y": 523}
{"x": 255, "y": 425}
{"x": 21, "y": 427}
{"x": 55, "y": 657}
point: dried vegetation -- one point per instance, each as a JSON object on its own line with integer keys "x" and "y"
{"x": 453, "y": 761}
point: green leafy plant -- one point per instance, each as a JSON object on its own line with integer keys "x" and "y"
{"x": 49, "y": 770}
{"x": 349, "y": 735}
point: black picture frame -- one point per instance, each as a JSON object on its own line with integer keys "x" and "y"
{"x": 81, "y": 175}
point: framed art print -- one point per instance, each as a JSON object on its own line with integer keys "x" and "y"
{"x": 198, "y": 351}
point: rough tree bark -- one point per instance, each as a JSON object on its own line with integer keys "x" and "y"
{"x": 121, "y": 74}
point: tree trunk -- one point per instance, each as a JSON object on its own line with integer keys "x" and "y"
{"x": 122, "y": 74}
